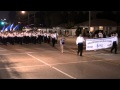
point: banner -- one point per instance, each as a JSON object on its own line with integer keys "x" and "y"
{"x": 100, "y": 43}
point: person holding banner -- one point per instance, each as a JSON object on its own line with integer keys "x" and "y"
{"x": 100, "y": 34}
{"x": 114, "y": 43}
{"x": 95, "y": 37}
{"x": 79, "y": 42}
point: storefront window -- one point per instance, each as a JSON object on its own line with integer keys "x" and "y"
{"x": 91, "y": 29}
{"x": 100, "y": 27}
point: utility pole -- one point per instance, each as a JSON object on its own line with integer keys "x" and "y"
{"x": 89, "y": 22}
{"x": 28, "y": 19}
{"x": 34, "y": 20}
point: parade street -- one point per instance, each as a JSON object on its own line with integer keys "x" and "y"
{"x": 42, "y": 61}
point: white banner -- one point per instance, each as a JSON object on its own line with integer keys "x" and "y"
{"x": 100, "y": 43}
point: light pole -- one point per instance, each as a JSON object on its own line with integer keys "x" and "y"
{"x": 28, "y": 12}
{"x": 89, "y": 21}
{"x": 34, "y": 19}
{"x": 28, "y": 18}
{"x": 23, "y": 12}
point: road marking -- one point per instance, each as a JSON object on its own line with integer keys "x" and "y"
{"x": 38, "y": 48}
{"x": 18, "y": 53}
{"x": 3, "y": 50}
{"x": 20, "y": 49}
{"x": 76, "y": 62}
{"x": 22, "y": 66}
{"x": 51, "y": 66}
{"x": 63, "y": 73}
{"x": 52, "y": 50}
{"x": 111, "y": 62}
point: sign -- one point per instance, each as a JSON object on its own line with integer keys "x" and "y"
{"x": 100, "y": 43}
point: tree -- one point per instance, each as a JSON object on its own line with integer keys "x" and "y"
{"x": 78, "y": 31}
{"x": 12, "y": 16}
{"x": 40, "y": 18}
{"x": 106, "y": 15}
{"x": 47, "y": 18}
{"x": 117, "y": 17}
{"x": 55, "y": 18}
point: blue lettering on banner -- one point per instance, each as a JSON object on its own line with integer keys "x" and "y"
{"x": 99, "y": 45}
{"x": 109, "y": 44}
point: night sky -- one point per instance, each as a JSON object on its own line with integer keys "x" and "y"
{"x": 3, "y": 14}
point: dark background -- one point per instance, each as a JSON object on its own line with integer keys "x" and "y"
{"x": 4, "y": 14}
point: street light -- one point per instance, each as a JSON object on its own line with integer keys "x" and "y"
{"x": 23, "y": 12}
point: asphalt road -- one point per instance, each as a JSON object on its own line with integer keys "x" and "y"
{"x": 29, "y": 61}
